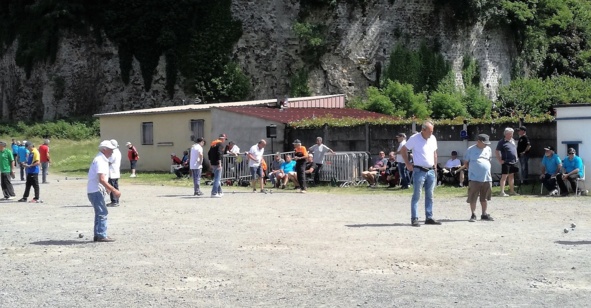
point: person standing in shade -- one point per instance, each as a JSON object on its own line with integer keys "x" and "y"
{"x": 477, "y": 162}
{"x": 523, "y": 147}
{"x": 44, "y": 155}
{"x": 32, "y": 166}
{"x": 215, "y": 154}
{"x": 255, "y": 159}
{"x": 404, "y": 177}
{"x": 506, "y": 153}
{"x": 424, "y": 148}
{"x": 98, "y": 186}
{"x": 22, "y": 158}
{"x": 7, "y": 171}
{"x": 301, "y": 155}
{"x": 319, "y": 150}
{"x": 196, "y": 165}
{"x": 133, "y": 156}
{"x": 114, "y": 172}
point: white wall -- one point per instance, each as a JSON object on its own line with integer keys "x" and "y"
{"x": 573, "y": 123}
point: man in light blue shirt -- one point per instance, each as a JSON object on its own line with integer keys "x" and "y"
{"x": 477, "y": 161}
{"x": 551, "y": 166}
{"x": 573, "y": 169}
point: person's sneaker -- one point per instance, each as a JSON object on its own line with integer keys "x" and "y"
{"x": 262, "y": 191}
{"x": 415, "y": 222}
{"x": 104, "y": 239}
{"x": 472, "y": 218}
{"x": 303, "y": 191}
{"x": 221, "y": 194}
{"x": 282, "y": 186}
{"x": 431, "y": 221}
{"x": 133, "y": 176}
{"x": 513, "y": 193}
{"x": 486, "y": 217}
{"x": 22, "y": 200}
{"x": 216, "y": 196}
{"x": 553, "y": 193}
{"x": 503, "y": 194}
{"x": 36, "y": 201}
{"x": 10, "y": 198}
{"x": 198, "y": 194}
{"x": 113, "y": 204}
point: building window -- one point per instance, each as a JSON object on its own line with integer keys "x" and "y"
{"x": 197, "y": 128}
{"x": 147, "y": 133}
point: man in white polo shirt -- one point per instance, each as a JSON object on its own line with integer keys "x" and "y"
{"x": 424, "y": 149}
{"x": 196, "y": 165}
{"x": 98, "y": 186}
{"x": 255, "y": 157}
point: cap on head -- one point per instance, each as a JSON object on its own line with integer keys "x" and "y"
{"x": 115, "y": 143}
{"x": 223, "y": 136}
{"x": 403, "y": 135}
{"x": 29, "y": 144}
{"x": 172, "y": 154}
{"x": 454, "y": 153}
{"x": 106, "y": 144}
{"x": 484, "y": 138}
{"x": 297, "y": 141}
{"x": 549, "y": 148}
{"x": 523, "y": 128}
{"x": 2, "y": 143}
{"x": 127, "y": 144}
{"x": 572, "y": 151}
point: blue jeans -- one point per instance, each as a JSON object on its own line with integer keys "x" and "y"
{"x": 196, "y": 180}
{"x": 217, "y": 184}
{"x": 100, "y": 213}
{"x": 523, "y": 161}
{"x": 420, "y": 178}
{"x": 44, "y": 170}
{"x": 404, "y": 179}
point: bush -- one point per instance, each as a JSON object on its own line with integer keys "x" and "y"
{"x": 447, "y": 106}
{"x": 76, "y": 130}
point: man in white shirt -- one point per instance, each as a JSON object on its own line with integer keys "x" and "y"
{"x": 98, "y": 186}
{"x": 114, "y": 172}
{"x": 196, "y": 165}
{"x": 424, "y": 149}
{"x": 255, "y": 157}
{"x": 319, "y": 150}
{"x": 455, "y": 168}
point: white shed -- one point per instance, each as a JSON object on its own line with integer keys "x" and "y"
{"x": 573, "y": 125}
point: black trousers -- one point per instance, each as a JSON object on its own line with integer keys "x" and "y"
{"x": 7, "y": 188}
{"x": 300, "y": 170}
{"x": 317, "y": 174}
{"x": 32, "y": 180}
{"x": 562, "y": 183}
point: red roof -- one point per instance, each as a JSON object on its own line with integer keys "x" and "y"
{"x": 294, "y": 114}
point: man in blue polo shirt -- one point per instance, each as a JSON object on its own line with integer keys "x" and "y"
{"x": 573, "y": 169}
{"x": 551, "y": 166}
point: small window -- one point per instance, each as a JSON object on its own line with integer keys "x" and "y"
{"x": 147, "y": 133}
{"x": 197, "y": 129}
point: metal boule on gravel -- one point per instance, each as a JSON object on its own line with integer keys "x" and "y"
{"x": 565, "y": 230}
{"x": 573, "y": 225}
{"x": 80, "y": 235}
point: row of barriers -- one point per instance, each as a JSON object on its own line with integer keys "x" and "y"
{"x": 342, "y": 168}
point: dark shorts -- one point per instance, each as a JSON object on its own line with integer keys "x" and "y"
{"x": 509, "y": 169}
{"x": 133, "y": 163}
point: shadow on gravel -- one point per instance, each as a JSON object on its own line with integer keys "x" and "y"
{"x": 61, "y": 243}
{"x": 377, "y": 225}
{"x": 573, "y": 242}
{"x": 453, "y": 220}
{"x": 77, "y": 206}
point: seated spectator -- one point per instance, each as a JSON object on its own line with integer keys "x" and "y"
{"x": 392, "y": 175}
{"x": 275, "y": 169}
{"x": 371, "y": 175}
{"x": 183, "y": 168}
{"x": 453, "y": 169}
{"x": 551, "y": 166}
{"x": 287, "y": 172}
{"x": 310, "y": 167}
{"x": 175, "y": 159}
{"x": 573, "y": 169}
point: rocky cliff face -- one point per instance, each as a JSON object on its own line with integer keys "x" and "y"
{"x": 85, "y": 77}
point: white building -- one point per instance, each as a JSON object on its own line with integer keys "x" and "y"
{"x": 573, "y": 125}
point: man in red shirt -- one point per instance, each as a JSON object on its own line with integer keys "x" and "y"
{"x": 133, "y": 156}
{"x": 44, "y": 153}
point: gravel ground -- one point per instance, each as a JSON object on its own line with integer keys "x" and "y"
{"x": 290, "y": 250}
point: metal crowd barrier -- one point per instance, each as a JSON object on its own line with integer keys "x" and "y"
{"x": 343, "y": 167}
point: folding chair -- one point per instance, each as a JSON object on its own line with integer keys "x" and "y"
{"x": 582, "y": 181}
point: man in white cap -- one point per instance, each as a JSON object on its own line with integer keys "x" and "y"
{"x": 114, "y": 172}
{"x": 133, "y": 156}
{"x": 98, "y": 186}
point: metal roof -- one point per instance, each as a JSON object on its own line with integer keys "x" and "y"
{"x": 200, "y": 107}
{"x": 294, "y": 114}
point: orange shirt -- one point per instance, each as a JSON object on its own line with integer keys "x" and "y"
{"x": 301, "y": 149}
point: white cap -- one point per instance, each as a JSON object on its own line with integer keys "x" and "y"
{"x": 115, "y": 143}
{"x": 128, "y": 143}
{"x": 106, "y": 144}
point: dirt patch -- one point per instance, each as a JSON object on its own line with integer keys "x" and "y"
{"x": 288, "y": 249}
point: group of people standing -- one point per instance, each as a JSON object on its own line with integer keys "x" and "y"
{"x": 30, "y": 160}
